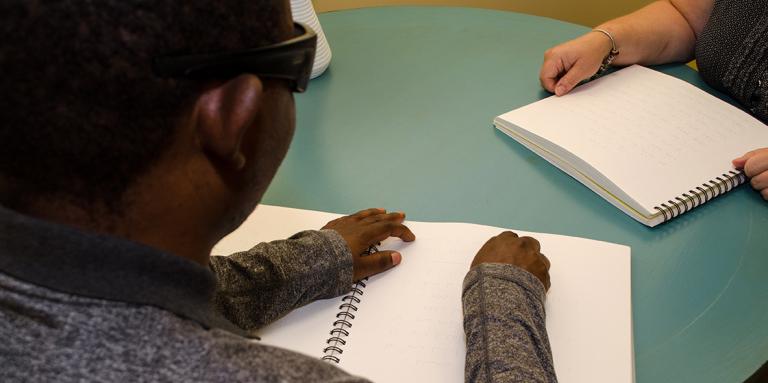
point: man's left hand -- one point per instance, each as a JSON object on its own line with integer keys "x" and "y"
{"x": 367, "y": 228}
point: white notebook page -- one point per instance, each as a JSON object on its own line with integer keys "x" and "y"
{"x": 409, "y": 323}
{"x": 651, "y": 134}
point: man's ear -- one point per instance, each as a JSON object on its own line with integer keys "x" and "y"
{"x": 223, "y": 113}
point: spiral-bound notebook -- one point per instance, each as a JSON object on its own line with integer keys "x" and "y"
{"x": 650, "y": 144}
{"x": 405, "y": 325}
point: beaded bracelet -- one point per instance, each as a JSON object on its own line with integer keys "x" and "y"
{"x": 610, "y": 57}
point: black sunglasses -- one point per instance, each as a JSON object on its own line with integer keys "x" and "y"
{"x": 290, "y": 60}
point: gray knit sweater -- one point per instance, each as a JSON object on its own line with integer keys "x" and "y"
{"x": 78, "y": 306}
{"x": 732, "y": 52}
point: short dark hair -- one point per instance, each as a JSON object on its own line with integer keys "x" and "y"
{"x": 81, "y": 113}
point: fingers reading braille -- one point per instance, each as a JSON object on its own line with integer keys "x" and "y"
{"x": 396, "y": 216}
{"x": 368, "y": 212}
{"x": 523, "y": 252}
{"x": 546, "y": 261}
{"x": 532, "y": 243}
{"x": 368, "y": 228}
{"x": 392, "y": 229}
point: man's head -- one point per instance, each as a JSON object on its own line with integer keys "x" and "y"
{"x": 85, "y": 123}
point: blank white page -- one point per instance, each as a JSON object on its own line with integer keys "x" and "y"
{"x": 653, "y": 135}
{"x": 409, "y": 324}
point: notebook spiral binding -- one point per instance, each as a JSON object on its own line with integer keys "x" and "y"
{"x": 701, "y": 194}
{"x": 342, "y": 324}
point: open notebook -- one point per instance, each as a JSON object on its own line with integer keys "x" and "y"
{"x": 650, "y": 144}
{"x": 406, "y": 324}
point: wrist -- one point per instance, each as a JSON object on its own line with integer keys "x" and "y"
{"x": 609, "y": 40}
{"x": 338, "y": 249}
{"x": 509, "y": 272}
{"x": 599, "y": 42}
{"x": 612, "y": 53}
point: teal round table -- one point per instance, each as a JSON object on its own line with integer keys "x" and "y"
{"x": 402, "y": 120}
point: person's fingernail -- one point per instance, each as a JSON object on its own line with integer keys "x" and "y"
{"x": 560, "y": 90}
{"x": 396, "y": 258}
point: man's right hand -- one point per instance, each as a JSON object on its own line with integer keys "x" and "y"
{"x": 524, "y": 253}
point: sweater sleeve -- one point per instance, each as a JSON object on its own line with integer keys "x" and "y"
{"x": 258, "y": 286}
{"x": 504, "y": 326}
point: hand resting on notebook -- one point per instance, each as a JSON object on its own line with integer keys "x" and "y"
{"x": 755, "y": 166}
{"x": 367, "y": 228}
{"x": 503, "y": 303}
{"x": 662, "y": 32}
{"x": 523, "y": 252}
{"x": 722, "y": 36}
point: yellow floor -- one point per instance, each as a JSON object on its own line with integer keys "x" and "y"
{"x": 584, "y": 12}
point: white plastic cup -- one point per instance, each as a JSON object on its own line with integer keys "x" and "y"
{"x": 304, "y": 12}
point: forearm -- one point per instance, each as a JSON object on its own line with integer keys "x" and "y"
{"x": 258, "y": 286}
{"x": 504, "y": 326}
{"x": 662, "y": 32}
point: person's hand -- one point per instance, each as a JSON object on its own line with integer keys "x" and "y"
{"x": 523, "y": 252}
{"x": 755, "y": 165}
{"x": 569, "y": 63}
{"x": 367, "y": 228}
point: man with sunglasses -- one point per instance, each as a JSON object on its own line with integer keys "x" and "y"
{"x": 134, "y": 136}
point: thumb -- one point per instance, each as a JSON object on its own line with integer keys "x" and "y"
{"x": 578, "y": 72}
{"x": 367, "y": 265}
{"x": 739, "y": 162}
